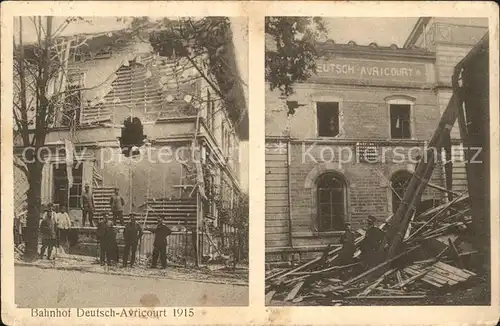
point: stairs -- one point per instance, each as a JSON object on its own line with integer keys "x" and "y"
{"x": 101, "y": 200}
{"x": 175, "y": 211}
{"x": 179, "y": 212}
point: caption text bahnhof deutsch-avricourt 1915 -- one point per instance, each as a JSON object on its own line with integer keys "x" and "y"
{"x": 113, "y": 312}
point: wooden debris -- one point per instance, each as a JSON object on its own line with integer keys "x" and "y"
{"x": 455, "y": 253}
{"x": 294, "y": 291}
{"x": 387, "y": 297}
{"x": 375, "y": 284}
{"x": 377, "y": 268}
{"x": 269, "y": 297}
{"x": 410, "y": 279}
{"x": 438, "y": 233}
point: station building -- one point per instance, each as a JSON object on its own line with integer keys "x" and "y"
{"x": 359, "y": 127}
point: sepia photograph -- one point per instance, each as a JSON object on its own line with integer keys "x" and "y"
{"x": 377, "y": 161}
{"x": 130, "y": 162}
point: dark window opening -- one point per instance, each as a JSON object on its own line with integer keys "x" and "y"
{"x": 331, "y": 203}
{"x": 72, "y": 101}
{"x": 399, "y": 183}
{"x": 328, "y": 119}
{"x": 62, "y": 195}
{"x": 400, "y": 121}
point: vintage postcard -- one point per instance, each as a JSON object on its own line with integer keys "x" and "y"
{"x": 377, "y": 161}
{"x": 260, "y": 162}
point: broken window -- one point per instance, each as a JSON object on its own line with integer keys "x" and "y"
{"x": 62, "y": 195}
{"x": 399, "y": 183}
{"x": 73, "y": 100}
{"x": 331, "y": 203}
{"x": 328, "y": 119}
{"x": 400, "y": 121}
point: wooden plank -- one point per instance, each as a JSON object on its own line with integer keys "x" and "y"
{"x": 378, "y": 267}
{"x": 424, "y": 278}
{"x": 386, "y": 297}
{"x": 292, "y": 294}
{"x": 399, "y": 276}
{"x": 442, "y": 278}
{"x": 372, "y": 287}
{"x": 410, "y": 279}
{"x": 269, "y": 297}
{"x": 276, "y": 164}
{"x": 450, "y": 274}
{"x": 451, "y": 269}
{"x": 274, "y": 196}
{"x": 429, "y": 275}
{"x": 276, "y": 190}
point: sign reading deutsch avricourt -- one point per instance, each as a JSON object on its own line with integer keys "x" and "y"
{"x": 371, "y": 70}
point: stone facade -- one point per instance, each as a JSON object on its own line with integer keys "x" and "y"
{"x": 364, "y": 82}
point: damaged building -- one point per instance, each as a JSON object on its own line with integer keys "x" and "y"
{"x": 191, "y": 153}
{"x": 358, "y": 129}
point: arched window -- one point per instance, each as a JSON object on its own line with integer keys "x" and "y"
{"x": 399, "y": 182}
{"x": 331, "y": 191}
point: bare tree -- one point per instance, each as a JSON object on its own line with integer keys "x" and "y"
{"x": 40, "y": 97}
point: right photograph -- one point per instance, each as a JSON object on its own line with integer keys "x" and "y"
{"x": 377, "y": 161}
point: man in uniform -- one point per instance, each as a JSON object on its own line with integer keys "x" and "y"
{"x": 160, "y": 244}
{"x": 348, "y": 248}
{"x": 116, "y": 202}
{"x": 131, "y": 235}
{"x": 101, "y": 232}
{"x": 87, "y": 207}
{"x": 48, "y": 230}
{"x": 110, "y": 244}
{"x": 371, "y": 243}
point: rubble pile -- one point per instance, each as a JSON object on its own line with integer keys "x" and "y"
{"x": 435, "y": 257}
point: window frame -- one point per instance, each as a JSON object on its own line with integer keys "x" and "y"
{"x": 78, "y": 186}
{"x": 318, "y": 203}
{"x": 401, "y": 100}
{"x": 81, "y": 83}
{"x": 317, "y": 118}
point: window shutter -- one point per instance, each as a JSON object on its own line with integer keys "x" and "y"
{"x": 88, "y": 173}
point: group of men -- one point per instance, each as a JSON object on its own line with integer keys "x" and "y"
{"x": 369, "y": 246}
{"x": 55, "y": 225}
{"x": 132, "y": 234}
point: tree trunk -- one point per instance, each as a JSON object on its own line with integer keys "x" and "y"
{"x": 34, "y": 210}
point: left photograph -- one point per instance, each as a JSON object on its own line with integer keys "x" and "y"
{"x": 130, "y": 161}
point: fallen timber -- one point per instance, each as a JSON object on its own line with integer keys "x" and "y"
{"x": 414, "y": 273}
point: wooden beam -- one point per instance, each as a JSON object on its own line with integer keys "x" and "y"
{"x": 292, "y": 294}
{"x": 377, "y": 268}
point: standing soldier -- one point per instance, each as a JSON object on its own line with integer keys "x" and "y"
{"x": 48, "y": 230}
{"x": 101, "y": 232}
{"x": 116, "y": 202}
{"x": 160, "y": 244}
{"x": 87, "y": 204}
{"x": 111, "y": 244}
{"x": 131, "y": 235}
{"x": 348, "y": 248}
{"x": 371, "y": 243}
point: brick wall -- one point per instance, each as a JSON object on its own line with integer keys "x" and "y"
{"x": 364, "y": 116}
{"x": 366, "y": 104}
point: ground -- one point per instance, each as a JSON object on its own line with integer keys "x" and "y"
{"x": 50, "y": 288}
